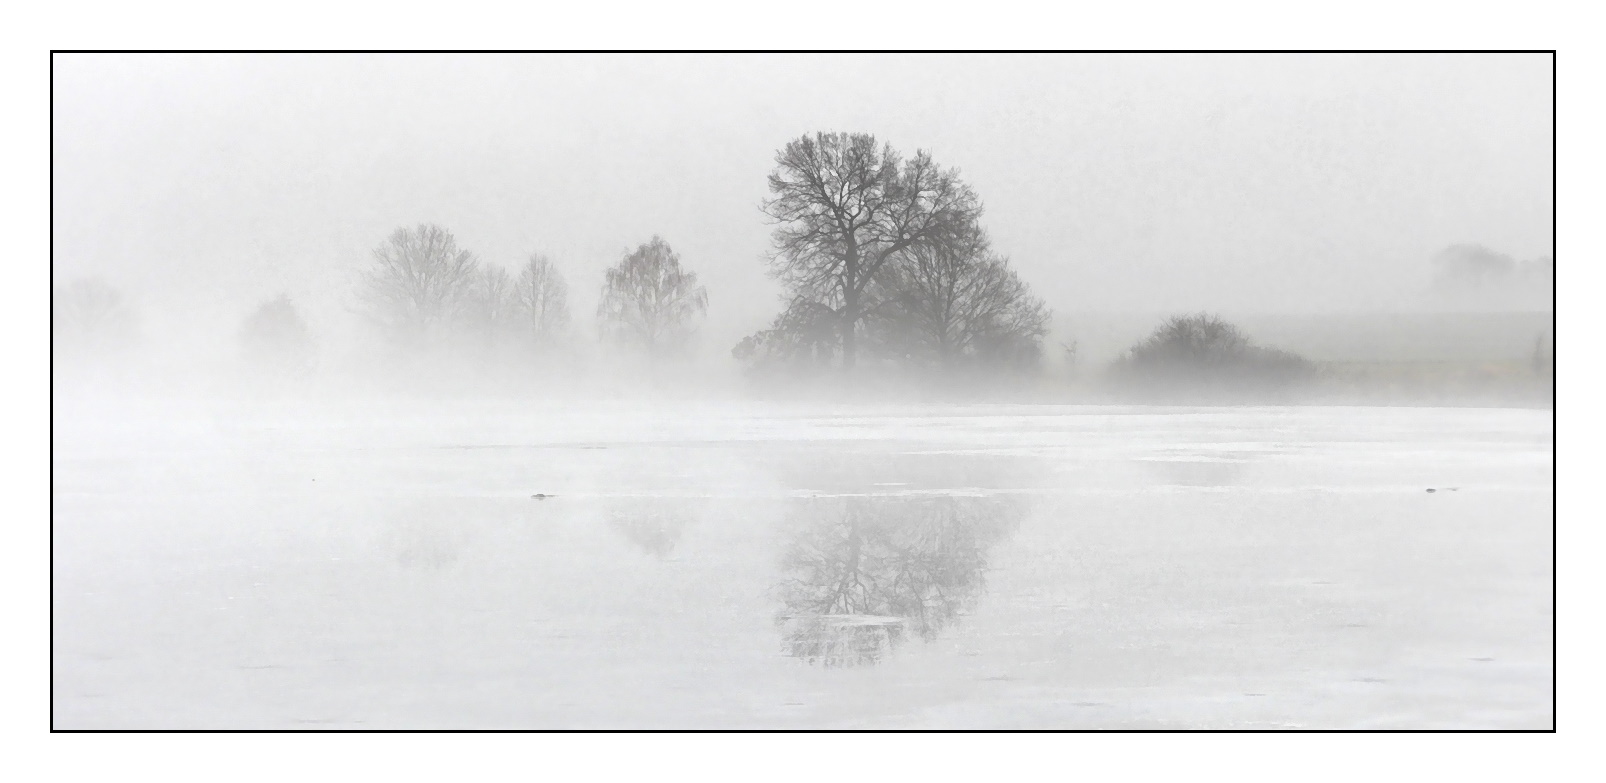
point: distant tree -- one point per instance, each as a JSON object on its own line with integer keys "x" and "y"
{"x": 418, "y": 281}
{"x": 1203, "y": 349}
{"x": 958, "y": 301}
{"x": 1470, "y": 267}
{"x": 1544, "y": 357}
{"x": 1069, "y": 352}
{"x": 650, "y": 301}
{"x": 541, "y": 301}
{"x": 488, "y": 307}
{"x": 274, "y": 337}
{"x": 845, "y": 208}
{"x": 1201, "y": 339}
{"x": 90, "y": 316}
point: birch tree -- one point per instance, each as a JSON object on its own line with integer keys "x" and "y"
{"x": 541, "y": 301}
{"x": 650, "y": 301}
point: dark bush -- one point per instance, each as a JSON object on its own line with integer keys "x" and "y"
{"x": 1201, "y": 353}
{"x": 802, "y": 336}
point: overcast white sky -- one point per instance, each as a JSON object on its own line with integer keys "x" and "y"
{"x": 1273, "y": 183}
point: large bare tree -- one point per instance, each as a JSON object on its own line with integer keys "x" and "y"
{"x": 541, "y": 300}
{"x": 418, "y": 280}
{"x": 650, "y": 301}
{"x": 846, "y": 207}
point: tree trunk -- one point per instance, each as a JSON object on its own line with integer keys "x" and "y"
{"x": 850, "y": 303}
{"x": 850, "y": 320}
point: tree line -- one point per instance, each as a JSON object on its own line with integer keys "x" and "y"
{"x": 422, "y": 290}
{"x": 882, "y": 257}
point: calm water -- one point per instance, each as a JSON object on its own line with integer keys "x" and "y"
{"x": 769, "y": 566}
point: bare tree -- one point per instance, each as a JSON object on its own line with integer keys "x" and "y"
{"x": 1471, "y": 267}
{"x": 960, "y": 301}
{"x": 846, "y": 207}
{"x": 1068, "y": 352}
{"x": 541, "y": 300}
{"x": 487, "y": 307}
{"x": 418, "y": 280}
{"x": 90, "y": 315}
{"x": 649, "y": 301}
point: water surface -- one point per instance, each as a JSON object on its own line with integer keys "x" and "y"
{"x": 765, "y": 566}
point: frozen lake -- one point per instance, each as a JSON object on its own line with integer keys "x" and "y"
{"x": 771, "y": 566}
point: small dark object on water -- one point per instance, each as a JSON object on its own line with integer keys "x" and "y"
{"x": 541, "y": 496}
{"x": 1430, "y": 489}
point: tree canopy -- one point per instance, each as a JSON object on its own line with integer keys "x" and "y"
{"x": 845, "y": 207}
{"x": 541, "y": 300}
{"x": 961, "y": 302}
{"x": 650, "y": 301}
{"x": 419, "y": 278}
{"x": 886, "y": 256}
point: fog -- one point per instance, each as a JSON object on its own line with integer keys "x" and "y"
{"x": 202, "y": 185}
{"x": 783, "y": 391}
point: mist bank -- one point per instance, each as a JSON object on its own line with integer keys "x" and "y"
{"x": 1521, "y": 374}
{"x": 892, "y": 288}
{"x": 99, "y": 351}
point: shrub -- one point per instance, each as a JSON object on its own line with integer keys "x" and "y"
{"x": 1202, "y": 353}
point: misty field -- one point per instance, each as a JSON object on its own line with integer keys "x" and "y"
{"x": 366, "y": 566}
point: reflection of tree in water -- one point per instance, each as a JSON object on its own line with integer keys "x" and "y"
{"x": 437, "y": 534}
{"x": 656, "y": 530}
{"x": 425, "y": 538}
{"x": 864, "y": 573}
